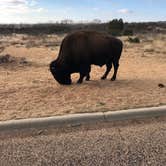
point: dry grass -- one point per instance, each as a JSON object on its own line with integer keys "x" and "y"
{"x": 31, "y": 91}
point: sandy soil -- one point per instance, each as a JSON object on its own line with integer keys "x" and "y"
{"x": 30, "y": 90}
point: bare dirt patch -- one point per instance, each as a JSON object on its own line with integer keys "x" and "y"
{"x": 32, "y": 92}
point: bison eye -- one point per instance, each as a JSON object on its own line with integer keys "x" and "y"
{"x": 52, "y": 67}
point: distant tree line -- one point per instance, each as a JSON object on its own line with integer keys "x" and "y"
{"x": 118, "y": 27}
{"x": 49, "y": 28}
{"x": 114, "y": 27}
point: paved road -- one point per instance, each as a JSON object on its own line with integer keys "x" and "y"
{"x": 132, "y": 143}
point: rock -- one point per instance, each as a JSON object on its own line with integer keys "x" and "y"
{"x": 161, "y": 85}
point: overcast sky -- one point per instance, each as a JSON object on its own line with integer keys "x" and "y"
{"x": 36, "y": 11}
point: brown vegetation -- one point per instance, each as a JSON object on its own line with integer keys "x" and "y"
{"x": 8, "y": 59}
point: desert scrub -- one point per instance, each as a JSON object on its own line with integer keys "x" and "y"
{"x": 133, "y": 40}
{"x": 8, "y": 59}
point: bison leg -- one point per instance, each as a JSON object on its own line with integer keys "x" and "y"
{"x": 81, "y": 78}
{"x": 87, "y": 77}
{"x": 84, "y": 72}
{"x": 109, "y": 66}
{"x": 116, "y": 66}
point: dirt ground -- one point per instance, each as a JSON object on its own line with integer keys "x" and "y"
{"x": 29, "y": 90}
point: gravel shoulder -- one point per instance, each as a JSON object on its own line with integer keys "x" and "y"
{"x": 127, "y": 143}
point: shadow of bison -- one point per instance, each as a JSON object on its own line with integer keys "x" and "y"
{"x": 79, "y": 50}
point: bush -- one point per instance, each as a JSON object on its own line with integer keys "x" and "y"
{"x": 8, "y": 59}
{"x": 134, "y": 40}
{"x": 5, "y": 59}
{"x": 128, "y": 32}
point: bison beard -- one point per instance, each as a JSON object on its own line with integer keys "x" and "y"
{"x": 79, "y": 50}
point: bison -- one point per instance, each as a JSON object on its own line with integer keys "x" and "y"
{"x": 79, "y": 50}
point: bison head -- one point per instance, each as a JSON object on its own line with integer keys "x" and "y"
{"x": 60, "y": 74}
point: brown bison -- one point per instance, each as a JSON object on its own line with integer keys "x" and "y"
{"x": 79, "y": 50}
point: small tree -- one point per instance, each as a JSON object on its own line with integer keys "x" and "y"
{"x": 115, "y": 27}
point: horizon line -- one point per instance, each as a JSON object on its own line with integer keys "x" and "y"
{"x": 79, "y": 22}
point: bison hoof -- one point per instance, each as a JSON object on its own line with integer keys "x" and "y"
{"x": 79, "y": 82}
{"x": 103, "y": 78}
{"x": 113, "y": 79}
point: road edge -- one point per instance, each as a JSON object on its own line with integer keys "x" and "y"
{"x": 84, "y": 118}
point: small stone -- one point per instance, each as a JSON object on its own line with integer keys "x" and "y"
{"x": 40, "y": 132}
{"x": 161, "y": 85}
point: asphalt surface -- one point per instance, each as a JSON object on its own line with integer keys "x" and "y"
{"x": 127, "y": 143}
